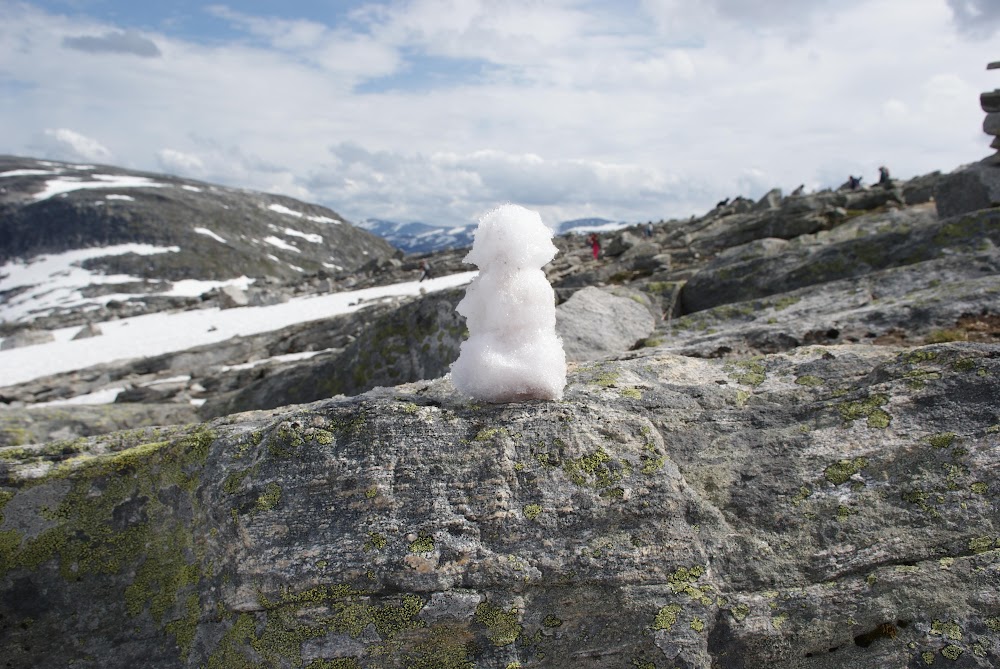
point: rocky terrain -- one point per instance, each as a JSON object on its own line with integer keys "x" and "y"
{"x": 777, "y": 448}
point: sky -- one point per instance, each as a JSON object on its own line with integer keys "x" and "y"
{"x": 439, "y": 110}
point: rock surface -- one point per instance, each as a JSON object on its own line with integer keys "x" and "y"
{"x": 594, "y": 324}
{"x": 26, "y": 338}
{"x": 834, "y": 507}
{"x": 974, "y": 187}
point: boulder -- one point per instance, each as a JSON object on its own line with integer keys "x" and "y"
{"x": 820, "y": 510}
{"x": 594, "y": 324}
{"x": 771, "y": 200}
{"x": 967, "y": 189}
{"x": 990, "y": 101}
{"x": 620, "y": 243}
{"x": 991, "y": 124}
{"x": 87, "y": 331}
{"x": 26, "y": 338}
{"x": 231, "y": 297}
{"x": 889, "y": 239}
{"x": 418, "y": 340}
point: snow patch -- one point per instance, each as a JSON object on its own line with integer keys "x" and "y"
{"x": 209, "y": 233}
{"x": 309, "y": 237}
{"x": 287, "y": 357}
{"x": 127, "y": 198}
{"x": 28, "y": 173}
{"x": 196, "y": 287}
{"x": 68, "y": 184}
{"x": 55, "y": 280}
{"x": 281, "y": 209}
{"x": 193, "y": 189}
{"x": 281, "y": 244}
{"x": 163, "y": 332}
{"x": 106, "y": 396}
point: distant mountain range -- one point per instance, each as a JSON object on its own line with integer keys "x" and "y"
{"x": 417, "y": 237}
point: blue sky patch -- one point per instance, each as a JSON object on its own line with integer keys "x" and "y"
{"x": 422, "y": 72}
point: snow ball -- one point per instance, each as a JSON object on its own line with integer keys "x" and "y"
{"x": 513, "y": 352}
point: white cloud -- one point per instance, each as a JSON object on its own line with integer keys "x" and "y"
{"x": 66, "y": 144}
{"x": 439, "y": 109}
{"x": 178, "y": 162}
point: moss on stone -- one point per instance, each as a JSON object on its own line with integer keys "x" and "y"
{"x": 551, "y": 621}
{"x": 268, "y": 499}
{"x": 504, "y": 629}
{"x": 867, "y": 408}
{"x": 980, "y": 544}
{"x": 750, "y": 372}
{"x": 597, "y": 470}
{"x": 952, "y": 652}
{"x": 947, "y": 629}
{"x": 942, "y": 439}
{"x": 424, "y": 543}
{"x": 842, "y": 470}
{"x": 444, "y": 647}
{"x": 666, "y": 617}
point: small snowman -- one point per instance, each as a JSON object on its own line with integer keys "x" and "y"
{"x": 513, "y": 352}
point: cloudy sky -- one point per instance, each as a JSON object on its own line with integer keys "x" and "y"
{"x": 437, "y": 110}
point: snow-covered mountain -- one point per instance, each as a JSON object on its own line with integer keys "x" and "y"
{"x": 416, "y": 237}
{"x": 72, "y": 234}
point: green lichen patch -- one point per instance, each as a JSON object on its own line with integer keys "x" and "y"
{"x": 842, "y": 470}
{"x": 269, "y": 499}
{"x": 809, "y": 380}
{"x": 115, "y": 518}
{"x": 869, "y": 408}
{"x": 443, "y": 647}
{"x": 596, "y": 470}
{"x": 490, "y": 433}
{"x": 532, "y": 511}
{"x": 980, "y": 544}
{"x": 333, "y": 608}
{"x": 503, "y": 626}
{"x": 631, "y": 393}
{"x": 947, "y": 629}
{"x": 942, "y": 440}
{"x": 740, "y": 612}
{"x": 952, "y": 652}
{"x": 424, "y": 543}
{"x": 683, "y": 581}
{"x": 749, "y": 372}
{"x": 377, "y": 541}
{"x": 666, "y": 617}
{"x": 551, "y": 621}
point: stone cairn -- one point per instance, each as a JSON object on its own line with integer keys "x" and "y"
{"x": 990, "y": 103}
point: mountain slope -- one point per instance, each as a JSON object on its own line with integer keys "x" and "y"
{"x": 187, "y": 229}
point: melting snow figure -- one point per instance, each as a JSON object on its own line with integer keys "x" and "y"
{"x": 513, "y": 352}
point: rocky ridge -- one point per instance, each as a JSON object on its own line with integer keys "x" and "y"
{"x": 790, "y": 464}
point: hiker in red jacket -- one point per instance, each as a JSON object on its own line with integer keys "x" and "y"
{"x": 595, "y": 244}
